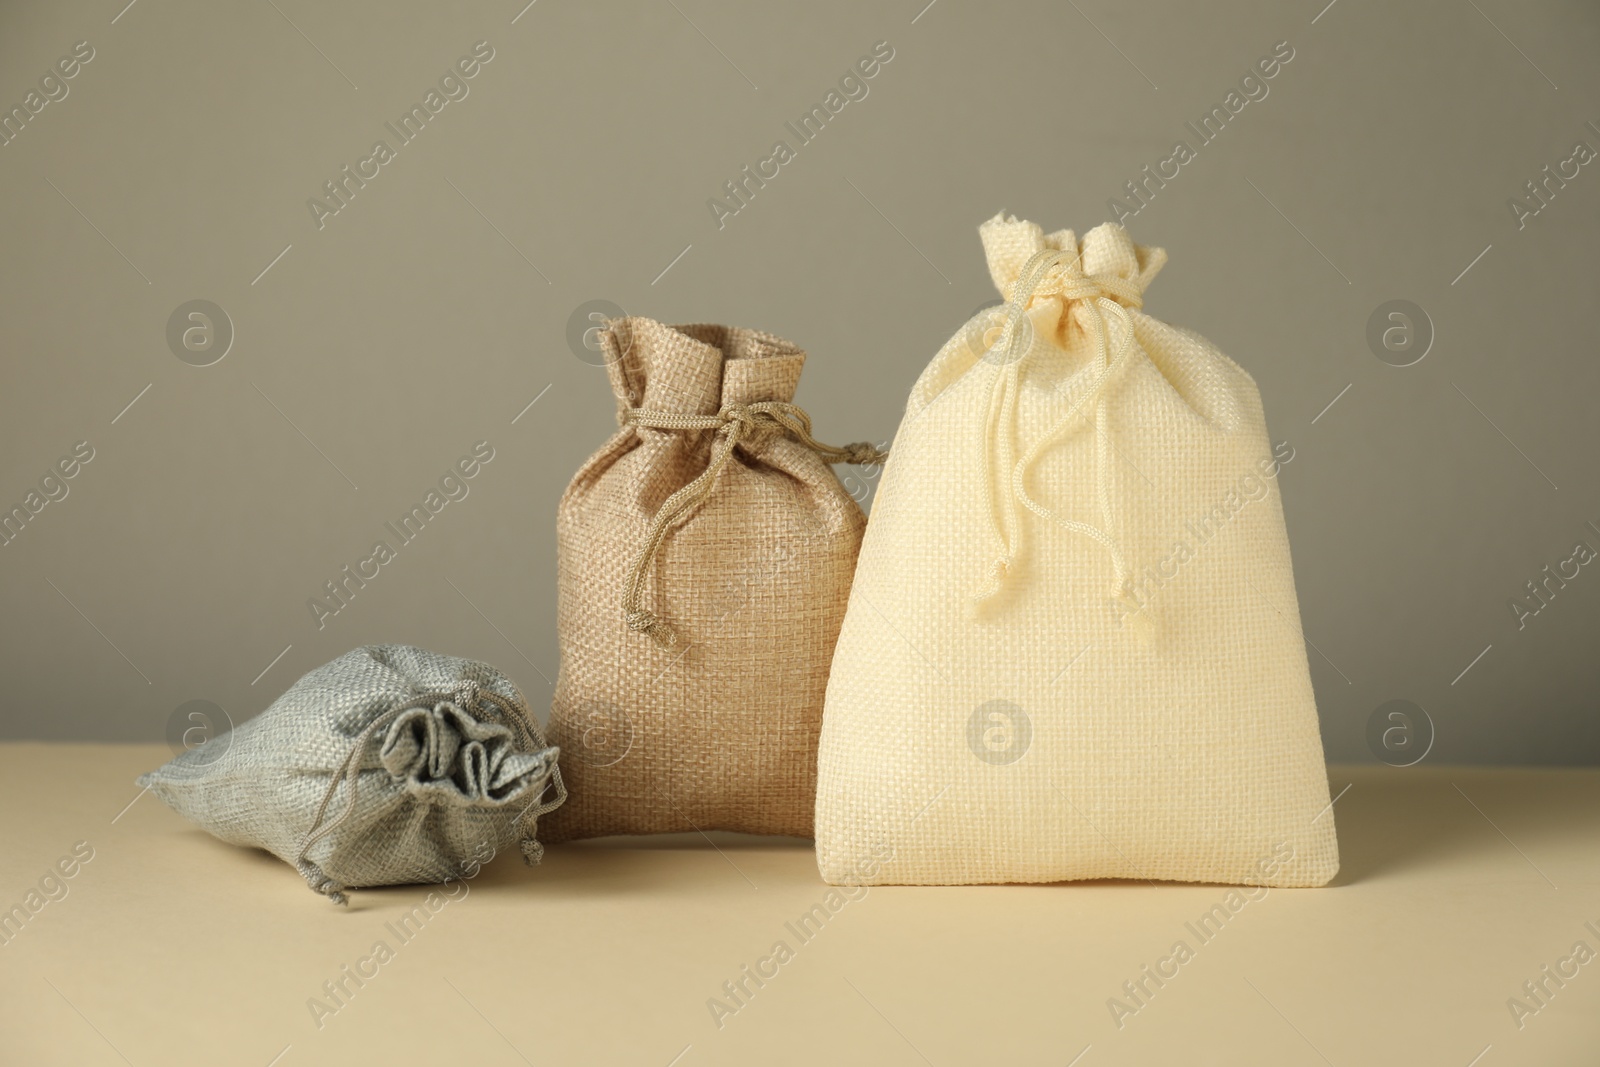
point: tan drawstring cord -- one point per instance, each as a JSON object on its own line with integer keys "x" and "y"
{"x": 1056, "y": 273}
{"x": 350, "y": 770}
{"x": 731, "y": 425}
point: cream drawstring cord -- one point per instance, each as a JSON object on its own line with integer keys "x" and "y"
{"x": 731, "y": 424}
{"x": 350, "y": 770}
{"x": 1057, "y": 273}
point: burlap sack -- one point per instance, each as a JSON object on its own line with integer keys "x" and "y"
{"x": 440, "y": 763}
{"x": 1073, "y": 647}
{"x": 705, "y": 553}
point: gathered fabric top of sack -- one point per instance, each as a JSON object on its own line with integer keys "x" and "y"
{"x": 440, "y": 762}
{"x": 674, "y": 373}
{"x": 1072, "y": 648}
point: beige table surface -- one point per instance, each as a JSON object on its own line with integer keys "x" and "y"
{"x": 170, "y": 947}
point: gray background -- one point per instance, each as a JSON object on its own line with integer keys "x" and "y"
{"x": 427, "y": 314}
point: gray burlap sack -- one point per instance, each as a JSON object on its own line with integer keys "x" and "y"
{"x": 438, "y": 757}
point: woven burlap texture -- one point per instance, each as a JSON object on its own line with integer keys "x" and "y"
{"x": 718, "y": 731}
{"x": 1012, "y": 710}
{"x": 454, "y": 769}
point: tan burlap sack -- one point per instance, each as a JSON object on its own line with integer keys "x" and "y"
{"x": 705, "y": 554}
{"x": 1073, "y": 647}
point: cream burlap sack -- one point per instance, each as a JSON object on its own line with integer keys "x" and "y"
{"x": 704, "y": 558}
{"x": 1073, "y": 647}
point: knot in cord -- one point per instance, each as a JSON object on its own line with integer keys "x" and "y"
{"x": 862, "y": 454}
{"x": 732, "y": 425}
{"x": 1068, "y": 281}
{"x": 997, "y": 577}
{"x": 321, "y": 883}
{"x": 650, "y": 624}
{"x": 1048, "y": 273}
{"x": 741, "y": 414}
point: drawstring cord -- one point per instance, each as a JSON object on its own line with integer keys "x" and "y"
{"x": 350, "y": 770}
{"x": 731, "y": 426}
{"x": 1056, "y": 273}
